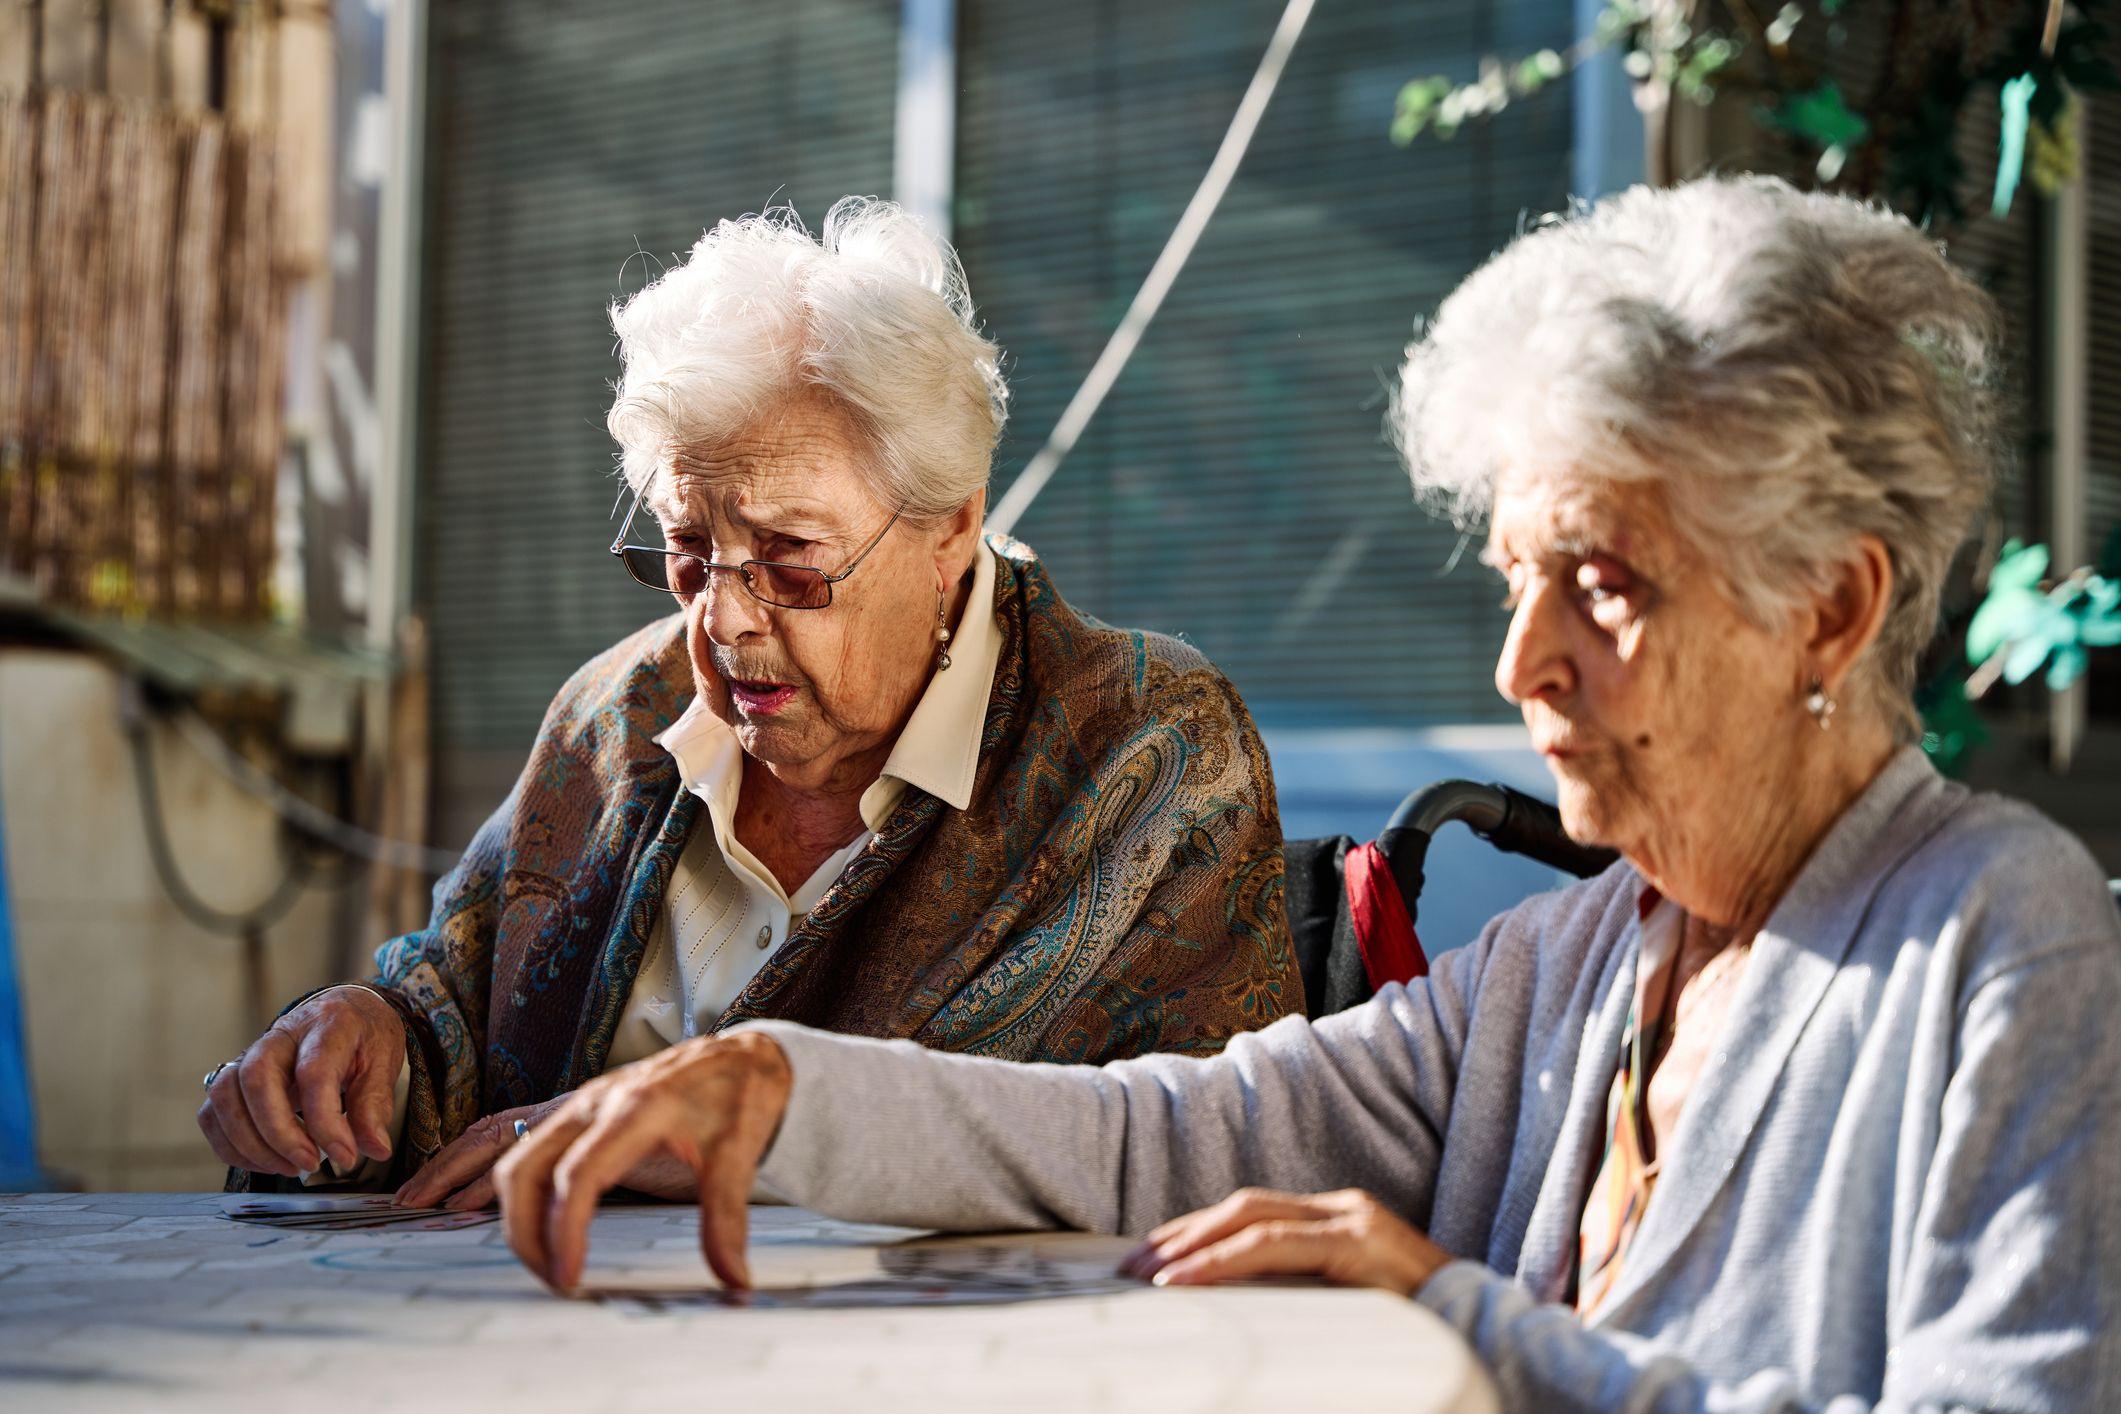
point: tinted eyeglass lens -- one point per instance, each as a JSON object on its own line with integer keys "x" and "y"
{"x": 683, "y": 574}
{"x": 648, "y": 566}
{"x": 789, "y": 586}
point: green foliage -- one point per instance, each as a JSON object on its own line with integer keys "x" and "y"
{"x": 1820, "y": 118}
{"x": 1437, "y": 105}
{"x": 2029, "y": 627}
{"x": 1951, "y": 728}
{"x": 1899, "y": 142}
{"x": 2035, "y": 88}
{"x": 2024, "y": 625}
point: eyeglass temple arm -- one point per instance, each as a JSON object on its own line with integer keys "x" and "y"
{"x": 857, "y": 560}
{"x": 618, "y": 541}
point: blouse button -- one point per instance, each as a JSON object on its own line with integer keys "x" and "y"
{"x": 765, "y": 938}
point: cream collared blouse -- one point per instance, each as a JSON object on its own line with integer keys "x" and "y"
{"x": 725, "y": 913}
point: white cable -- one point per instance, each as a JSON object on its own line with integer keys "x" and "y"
{"x": 401, "y": 854}
{"x": 321, "y": 824}
{"x": 1162, "y": 275}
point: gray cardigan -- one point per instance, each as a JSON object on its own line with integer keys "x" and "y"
{"x": 1899, "y": 1182}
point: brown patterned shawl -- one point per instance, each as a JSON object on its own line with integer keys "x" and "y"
{"x": 1113, "y": 888}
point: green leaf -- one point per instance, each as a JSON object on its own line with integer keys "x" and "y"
{"x": 2028, "y": 653}
{"x": 2011, "y": 609}
{"x": 2019, "y": 566}
{"x": 1951, "y": 728}
{"x": 1819, "y": 116}
{"x": 2069, "y": 665}
{"x": 1419, "y": 101}
{"x": 2006, "y": 615}
{"x": 2011, "y": 145}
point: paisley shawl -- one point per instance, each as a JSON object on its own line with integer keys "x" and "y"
{"x": 1114, "y": 886}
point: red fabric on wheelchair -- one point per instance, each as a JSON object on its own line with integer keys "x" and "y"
{"x": 1384, "y": 929}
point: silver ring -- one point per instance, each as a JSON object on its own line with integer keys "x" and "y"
{"x": 215, "y": 1074}
{"x": 522, "y": 1128}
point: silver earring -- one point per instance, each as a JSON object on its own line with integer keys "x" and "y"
{"x": 942, "y": 634}
{"x": 1820, "y": 703}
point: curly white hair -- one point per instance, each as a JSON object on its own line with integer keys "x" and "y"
{"x": 1795, "y": 369}
{"x": 875, "y": 312}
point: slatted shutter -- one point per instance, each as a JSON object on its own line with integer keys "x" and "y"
{"x": 564, "y": 135}
{"x": 1236, "y": 488}
{"x": 2102, "y": 529}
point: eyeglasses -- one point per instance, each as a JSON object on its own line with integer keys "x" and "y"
{"x": 685, "y": 574}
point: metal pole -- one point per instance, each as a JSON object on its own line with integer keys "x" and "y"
{"x": 398, "y": 235}
{"x": 2068, "y": 299}
{"x": 1608, "y": 147}
{"x": 924, "y": 139}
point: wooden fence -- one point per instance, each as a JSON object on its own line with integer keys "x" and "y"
{"x": 141, "y": 327}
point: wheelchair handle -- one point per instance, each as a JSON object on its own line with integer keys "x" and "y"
{"x": 1508, "y": 819}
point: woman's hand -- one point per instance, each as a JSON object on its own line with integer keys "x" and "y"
{"x": 712, "y": 1105}
{"x": 461, "y": 1176}
{"x": 1347, "y": 1238}
{"x": 317, "y": 1083}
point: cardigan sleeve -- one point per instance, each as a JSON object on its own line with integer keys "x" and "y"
{"x": 886, "y": 1131}
{"x": 2009, "y": 1297}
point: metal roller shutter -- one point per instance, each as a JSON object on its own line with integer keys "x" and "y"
{"x": 564, "y": 135}
{"x": 2102, "y": 178}
{"x": 1235, "y": 489}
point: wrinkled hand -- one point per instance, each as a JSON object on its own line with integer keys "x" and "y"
{"x": 320, "y": 1079}
{"x": 712, "y": 1105}
{"x": 461, "y": 1176}
{"x": 1347, "y": 1238}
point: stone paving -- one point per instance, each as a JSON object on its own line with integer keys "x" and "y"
{"x": 157, "y": 1301}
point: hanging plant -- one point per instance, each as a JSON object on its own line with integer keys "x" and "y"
{"x": 2027, "y": 624}
{"x": 2028, "y": 58}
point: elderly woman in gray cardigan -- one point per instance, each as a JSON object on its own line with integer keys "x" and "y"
{"x": 1809, "y": 1101}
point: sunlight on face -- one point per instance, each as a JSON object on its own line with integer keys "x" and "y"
{"x": 1636, "y": 673}
{"x": 803, "y": 689}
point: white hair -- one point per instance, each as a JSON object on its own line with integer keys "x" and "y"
{"x": 1794, "y": 369}
{"x": 876, "y": 314}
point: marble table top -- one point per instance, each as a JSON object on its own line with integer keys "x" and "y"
{"x": 166, "y": 1302}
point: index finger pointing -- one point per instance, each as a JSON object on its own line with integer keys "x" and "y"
{"x": 523, "y": 1178}
{"x": 622, "y": 1135}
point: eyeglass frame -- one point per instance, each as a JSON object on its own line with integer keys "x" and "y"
{"x": 742, "y": 568}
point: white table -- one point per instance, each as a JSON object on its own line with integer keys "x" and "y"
{"x": 156, "y": 1301}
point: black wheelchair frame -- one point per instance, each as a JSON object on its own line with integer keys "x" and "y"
{"x": 1328, "y": 953}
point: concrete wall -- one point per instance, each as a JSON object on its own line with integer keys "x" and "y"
{"x": 126, "y": 1003}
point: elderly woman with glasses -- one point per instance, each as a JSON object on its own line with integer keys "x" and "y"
{"x": 875, "y": 774}
{"x": 1808, "y": 1102}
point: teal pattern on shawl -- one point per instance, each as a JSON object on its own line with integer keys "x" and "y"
{"x": 1113, "y": 888}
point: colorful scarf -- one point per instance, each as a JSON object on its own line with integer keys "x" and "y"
{"x": 1113, "y": 888}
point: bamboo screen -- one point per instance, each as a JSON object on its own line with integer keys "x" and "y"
{"x": 140, "y": 357}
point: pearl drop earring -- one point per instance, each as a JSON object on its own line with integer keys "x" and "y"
{"x": 1820, "y": 703}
